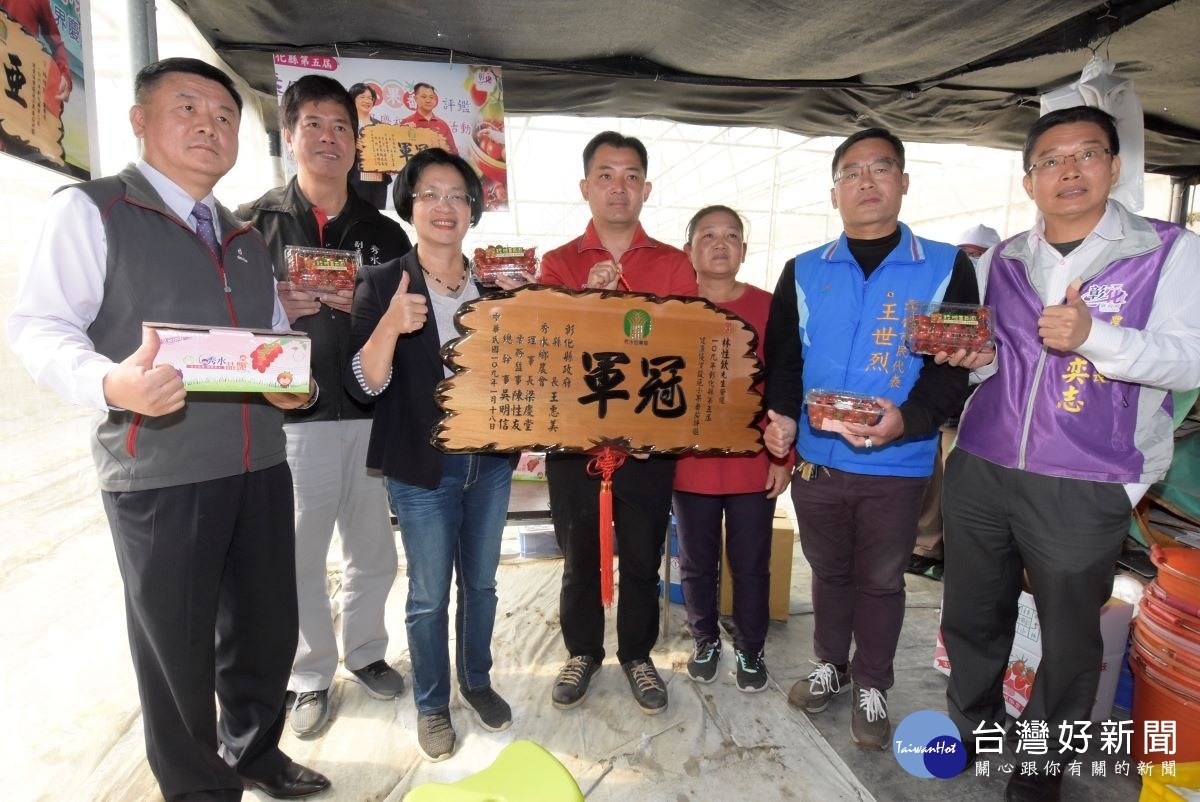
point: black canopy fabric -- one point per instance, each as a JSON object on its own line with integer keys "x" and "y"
{"x": 965, "y": 71}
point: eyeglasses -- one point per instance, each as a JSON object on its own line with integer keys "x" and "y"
{"x": 1083, "y": 158}
{"x": 880, "y": 168}
{"x": 460, "y": 199}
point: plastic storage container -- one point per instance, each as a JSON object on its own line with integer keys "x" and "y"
{"x": 499, "y": 261}
{"x": 322, "y": 269}
{"x": 829, "y": 410}
{"x": 933, "y": 327}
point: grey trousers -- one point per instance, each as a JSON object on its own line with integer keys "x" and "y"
{"x": 330, "y": 481}
{"x": 1067, "y": 534}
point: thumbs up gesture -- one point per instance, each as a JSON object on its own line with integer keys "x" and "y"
{"x": 137, "y": 385}
{"x": 406, "y": 311}
{"x": 1065, "y": 327}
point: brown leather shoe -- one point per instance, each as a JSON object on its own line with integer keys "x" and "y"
{"x": 293, "y": 781}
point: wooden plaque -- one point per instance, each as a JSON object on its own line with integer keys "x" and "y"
{"x": 387, "y": 148}
{"x": 545, "y": 368}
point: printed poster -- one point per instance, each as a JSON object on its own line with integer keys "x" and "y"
{"x": 405, "y": 107}
{"x": 43, "y": 105}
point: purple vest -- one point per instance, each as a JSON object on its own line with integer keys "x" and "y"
{"x": 1051, "y": 412}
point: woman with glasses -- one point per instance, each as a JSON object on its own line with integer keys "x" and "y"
{"x": 450, "y": 507}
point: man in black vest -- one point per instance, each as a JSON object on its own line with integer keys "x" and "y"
{"x": 196, "y": 487}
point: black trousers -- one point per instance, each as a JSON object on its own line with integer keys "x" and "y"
{"x": 210, "y": 602}
{"x": 747, "y": 518}
{"x": 1067, "y": 534}
{"x": 641, "y": 511}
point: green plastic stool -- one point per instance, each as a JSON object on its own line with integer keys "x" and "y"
{"x": 522, "y": 772}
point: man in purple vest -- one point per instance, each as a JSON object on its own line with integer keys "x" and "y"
{"x": 1097, "y": 315}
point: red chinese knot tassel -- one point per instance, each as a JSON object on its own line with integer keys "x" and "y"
{"x": 603, "y": 465}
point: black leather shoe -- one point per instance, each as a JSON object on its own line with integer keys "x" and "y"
{"x": 293, "y": 781}
{"x": 1033, "y": 788}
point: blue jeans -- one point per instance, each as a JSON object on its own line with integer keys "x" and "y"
{"x": 456, "y": 526}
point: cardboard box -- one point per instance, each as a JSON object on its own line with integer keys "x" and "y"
{"x": 235, "y": 360}
{"x": 675, "y": 586}
{"x": 783, "y": 535}
{"x": 1026, "y": 655}
{"x": 531, "y": 465}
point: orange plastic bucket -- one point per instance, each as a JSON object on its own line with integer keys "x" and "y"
{"x": 1178, "y": 571}
{"x": 1162, "y": 650}
{"x": 1161, "y": 694}
{"x": 1183, "y": 627}
{"x": 1174, "y": 602}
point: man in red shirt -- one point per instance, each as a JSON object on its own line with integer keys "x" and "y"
{"x": 614, "y": 253}
{"x": 424, "y": 117}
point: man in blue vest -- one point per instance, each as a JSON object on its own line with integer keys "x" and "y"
{"x": 1097, "y": 319}
{"x": 837, "y": 323}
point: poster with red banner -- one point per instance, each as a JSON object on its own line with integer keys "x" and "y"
{"x": 43, "y": 106}
{"x": 405, "y": 107}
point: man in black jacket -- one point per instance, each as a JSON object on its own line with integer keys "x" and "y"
{"x": 327, "y": 443}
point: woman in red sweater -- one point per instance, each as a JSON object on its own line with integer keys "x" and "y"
{"x": 742, "y": 489}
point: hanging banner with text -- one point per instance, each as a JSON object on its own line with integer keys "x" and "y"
{"x": 547, "y": 368}
{"x": 43, "y": 105}
{"x": 405, "y": 107}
